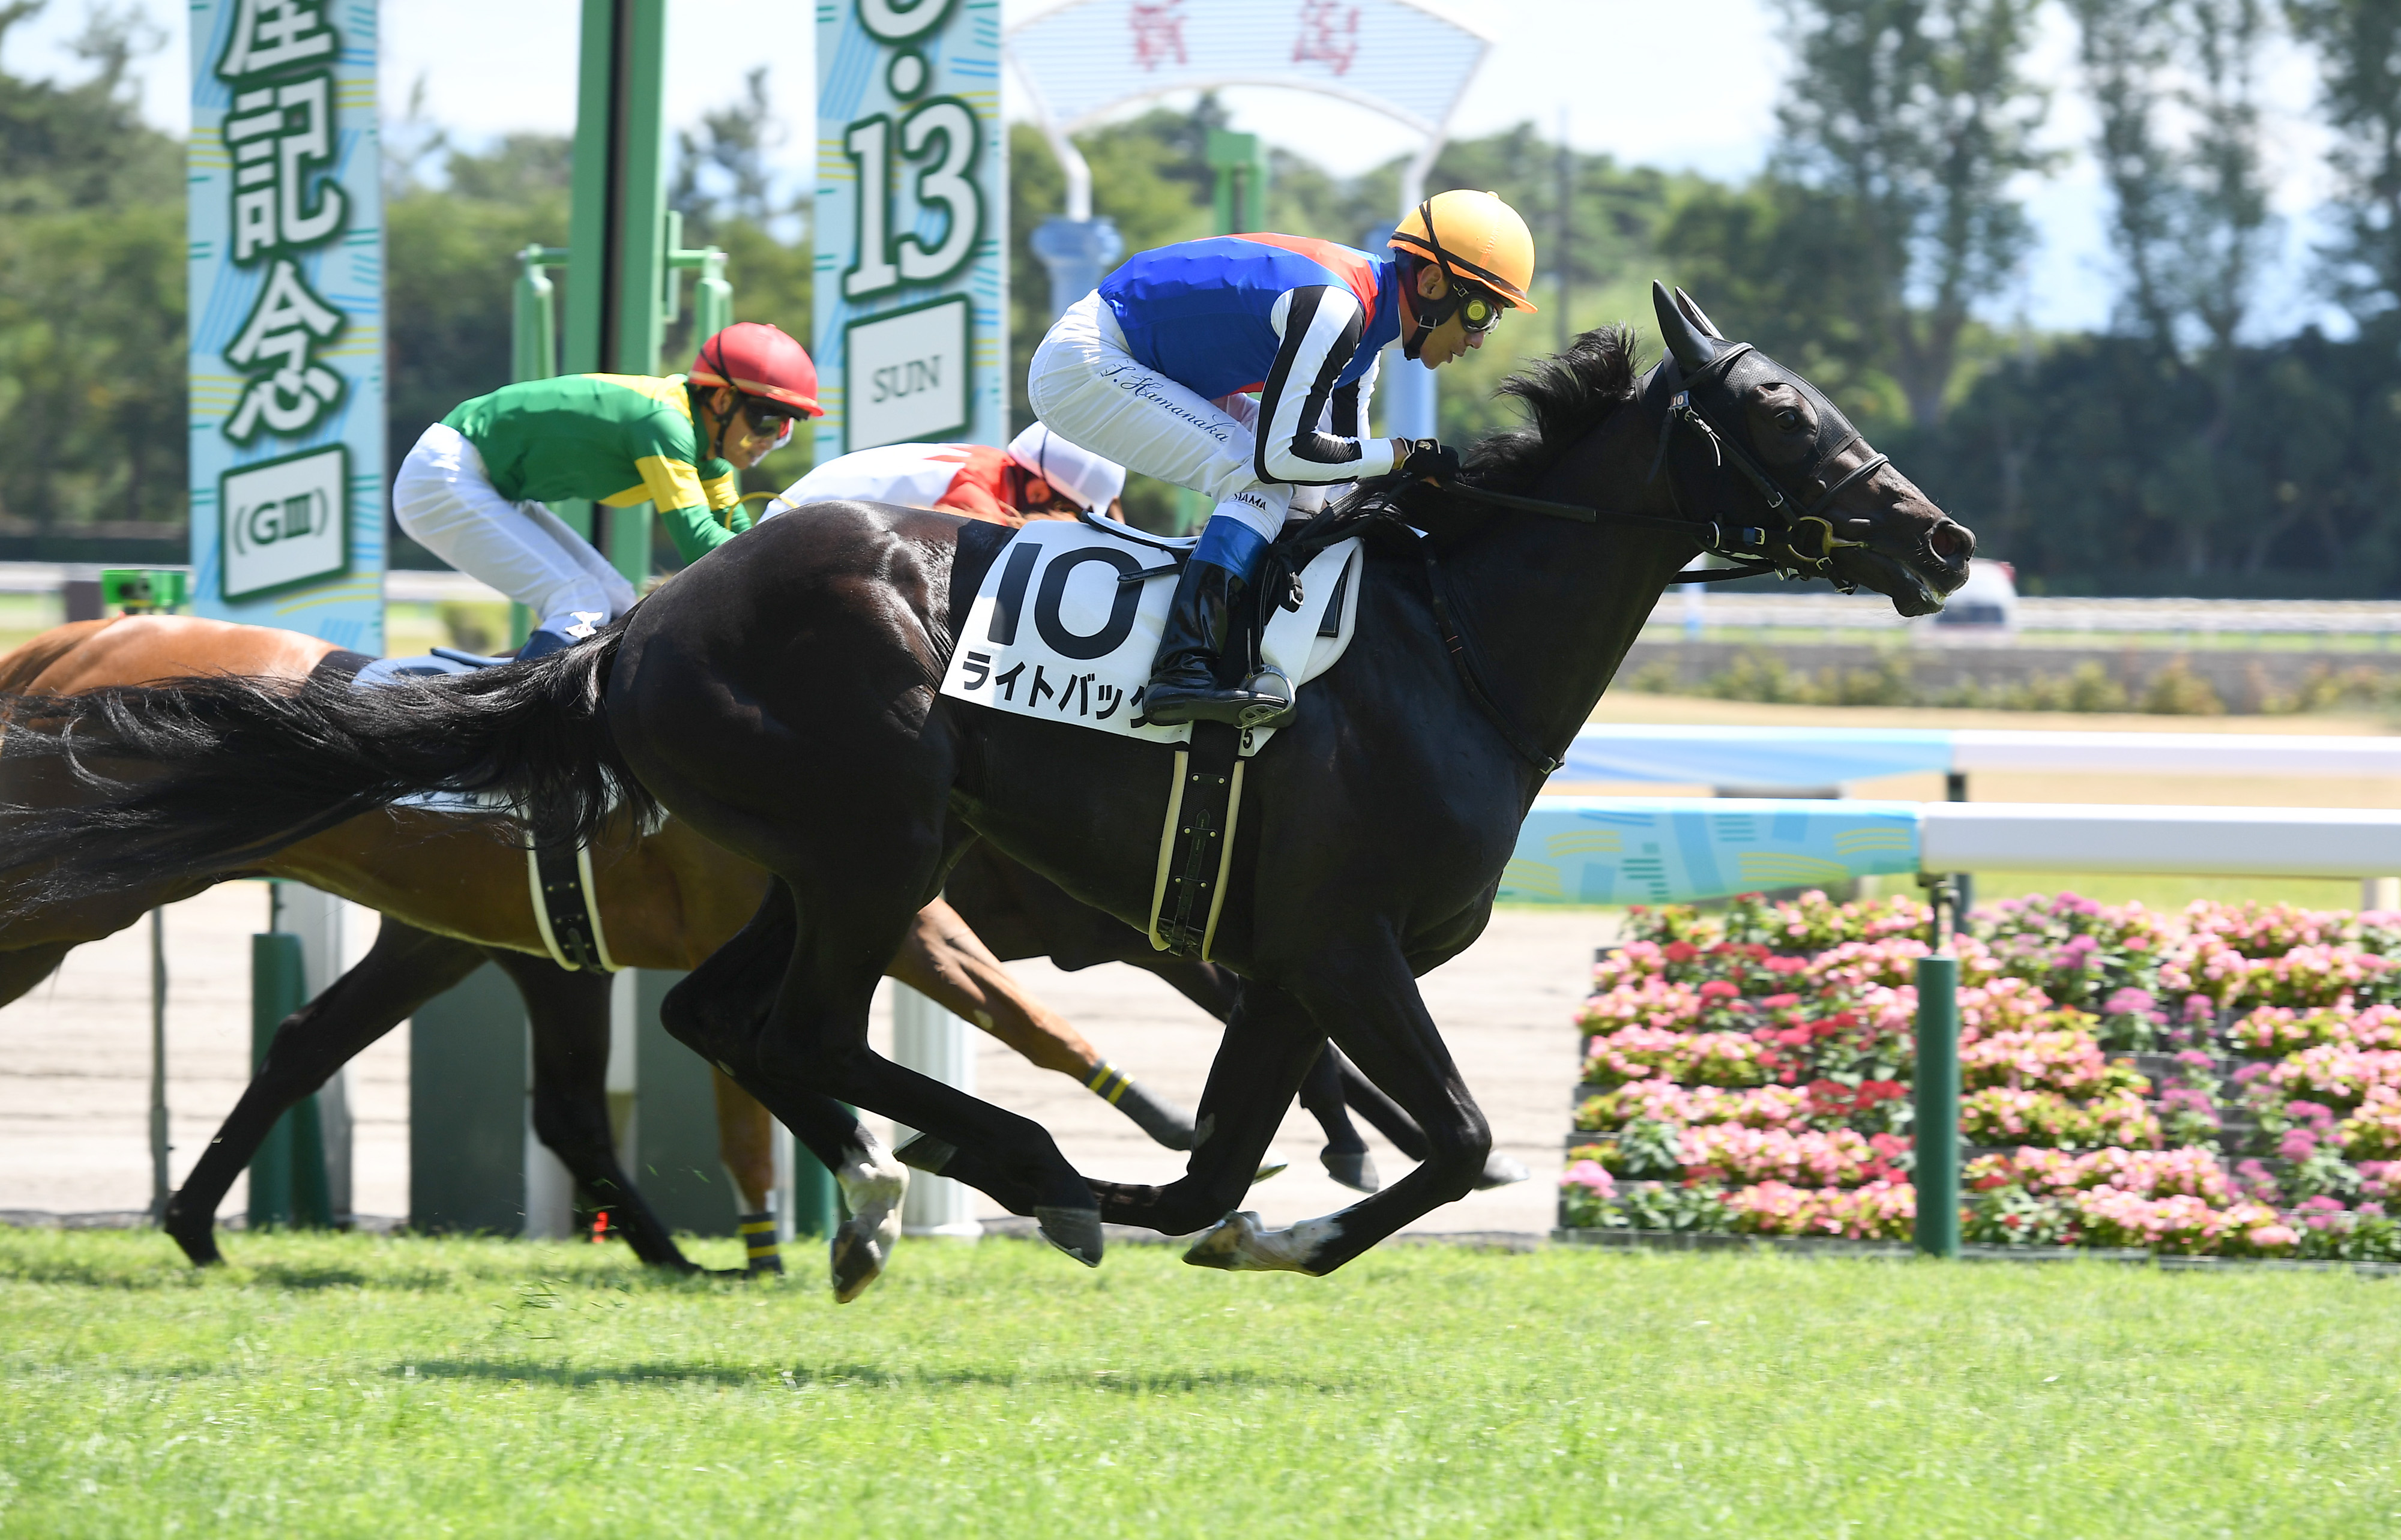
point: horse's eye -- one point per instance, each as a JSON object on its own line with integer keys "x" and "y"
{"x": 1789, "y": 419}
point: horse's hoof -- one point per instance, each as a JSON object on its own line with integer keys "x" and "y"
{"x": 1272, "y": 1163}
{"x": 201, "y": 1249}
{"x": 872, "y": 1187}
{"x": 858, "y": 1259}
{"x": 198, "y": 1241}
{"x": 1499, "y": 1171}
{"x": 1354, "y": 1168}
{"x": 1241, "y": 1245}
{"x": 1074, "y": 1230}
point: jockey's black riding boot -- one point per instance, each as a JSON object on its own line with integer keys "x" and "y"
{"x": 1184, "y": 684}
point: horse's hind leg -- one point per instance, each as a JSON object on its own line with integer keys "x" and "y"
{"x": 406, "y": 968}
{"x": 719, "y": 1012}
{"x": 568, "y": 1014}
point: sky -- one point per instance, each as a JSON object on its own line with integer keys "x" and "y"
{"x": 1624, "y": 76}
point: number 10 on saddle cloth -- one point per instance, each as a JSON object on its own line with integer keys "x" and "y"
{"x": 1054, "y": 633}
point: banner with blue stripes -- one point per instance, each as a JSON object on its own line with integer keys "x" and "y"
{"x": 1590, "y": 850}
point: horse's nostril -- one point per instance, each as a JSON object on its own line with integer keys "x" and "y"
{"x": 1948, "y": 541}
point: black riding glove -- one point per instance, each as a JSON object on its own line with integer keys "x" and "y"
{"x": 1431, "y": 459}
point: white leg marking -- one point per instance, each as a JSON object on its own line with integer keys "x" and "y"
{"x": 872, "y": 1185}
{"x": 1241, "y": 1245}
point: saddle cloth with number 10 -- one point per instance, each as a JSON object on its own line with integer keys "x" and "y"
{"x": 1053, "y": 633}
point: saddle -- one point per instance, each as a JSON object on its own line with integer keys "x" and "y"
{"x": 559, "y": 878}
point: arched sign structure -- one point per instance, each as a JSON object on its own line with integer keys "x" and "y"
{"x": 1090, "y": 58}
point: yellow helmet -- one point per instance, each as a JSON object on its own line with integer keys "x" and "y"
{"x": 1473, "y": 236}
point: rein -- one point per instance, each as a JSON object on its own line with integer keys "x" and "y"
{"x": 1746, "y": 547}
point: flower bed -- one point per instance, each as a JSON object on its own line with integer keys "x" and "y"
{"x": 1746, "y": 1071}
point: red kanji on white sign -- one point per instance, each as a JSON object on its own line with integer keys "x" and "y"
{"x": 1157, "y": 32}
{"x": 1330, "y": 34}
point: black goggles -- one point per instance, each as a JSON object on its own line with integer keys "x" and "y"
{"x": 1477, "y": 310}
{"x": 766, "y": 416}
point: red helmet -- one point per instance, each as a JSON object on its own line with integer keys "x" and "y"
{"x": 760, "y": 360}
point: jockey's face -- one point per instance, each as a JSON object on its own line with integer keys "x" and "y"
{"x": 744, "y": 442}
{"x": 1451, "y": 339}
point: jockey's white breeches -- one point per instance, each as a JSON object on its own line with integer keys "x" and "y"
{"x": 446, "y": 502}
{"x": 1088, "y": 389}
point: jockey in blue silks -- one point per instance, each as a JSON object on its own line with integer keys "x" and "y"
{"x": 1156, "y": 370}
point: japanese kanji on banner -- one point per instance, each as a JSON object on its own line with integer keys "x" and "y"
{"x": 285, "y": 227}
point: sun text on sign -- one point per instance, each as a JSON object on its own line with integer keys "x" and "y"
{"x": 907, "y": 374}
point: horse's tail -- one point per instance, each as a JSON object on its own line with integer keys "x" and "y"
{"x": 197, "y": 776}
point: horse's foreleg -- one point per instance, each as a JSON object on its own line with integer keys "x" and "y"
{"x": 1268, "y": 1048}
{"x": 568, "y": 1014}
{"x": 406, "y": 968}
{"x": 1386, "y": 1116}
{"x": 1345, "y": 1154}
{"x": 945, "y": 961}
{"x": 1368, "y": 998}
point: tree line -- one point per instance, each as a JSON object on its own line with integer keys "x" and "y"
{"x": 2173, "y": 451}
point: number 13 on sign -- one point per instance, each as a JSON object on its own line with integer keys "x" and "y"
{"x": 942, "y": 134}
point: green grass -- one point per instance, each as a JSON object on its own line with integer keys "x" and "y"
{"x": 347, "y": 1385}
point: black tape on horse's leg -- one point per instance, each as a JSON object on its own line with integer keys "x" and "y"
{"x": 568, "y": 1016}
{"x": 406, "y": 968}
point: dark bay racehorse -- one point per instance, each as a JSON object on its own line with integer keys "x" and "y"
{"x": 780, "y": 696}
{"x": 666, "y": 899}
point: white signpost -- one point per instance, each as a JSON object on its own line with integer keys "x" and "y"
{"x": 285, "y": 235}
{"x": 911, "y": 331}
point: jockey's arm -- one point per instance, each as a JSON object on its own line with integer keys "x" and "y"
{"x": 692, "y": 508}
{"x": 1319, "y": 326}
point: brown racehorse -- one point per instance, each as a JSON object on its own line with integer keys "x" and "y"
{"x": 452, "y": 895}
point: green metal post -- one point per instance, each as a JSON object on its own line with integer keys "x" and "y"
{"x": 815, "y": 1209}
{"x": 287, "y": 1176}
{"x": 617, "y": 225}
{"x": 1240, "y": 200}
{"x": 1938, "y": 1106}
{"x": 1240, "y": 163}
{"x": 533, "y": 353}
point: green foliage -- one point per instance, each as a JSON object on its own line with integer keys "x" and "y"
{"x": 345, "y": 1385}
{"x": 2101, "y": 464}
{"x": 91, "y": 308}
{"x": 1914, "y": 117}
{"x": 2359, "y": 46}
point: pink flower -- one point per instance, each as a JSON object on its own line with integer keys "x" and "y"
{"x": 1592, "y": 1175}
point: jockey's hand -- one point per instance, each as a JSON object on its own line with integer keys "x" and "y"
{"x": 1431, "y": 462}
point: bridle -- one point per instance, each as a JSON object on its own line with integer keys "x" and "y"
{"x": 1754, "y": 550}
{"x": 1795, "y": 520}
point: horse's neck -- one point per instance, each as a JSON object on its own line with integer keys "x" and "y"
{"x": 1553, "y": 606}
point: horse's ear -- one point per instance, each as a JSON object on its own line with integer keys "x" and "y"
{"x": 1694, "y": 348}
{"x": 1692, "y": 308}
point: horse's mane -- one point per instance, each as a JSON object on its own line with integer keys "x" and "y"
{"x": 1567, "y": 396}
